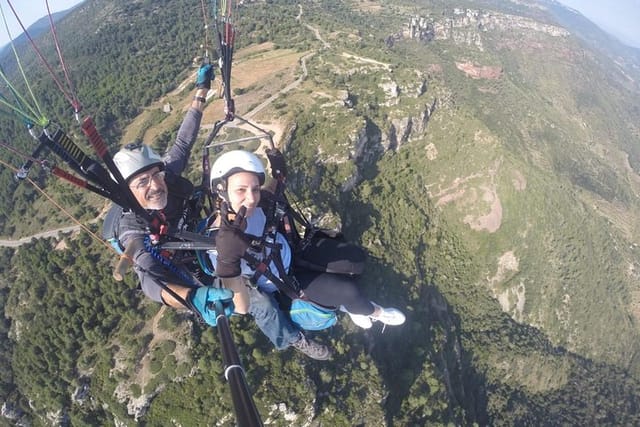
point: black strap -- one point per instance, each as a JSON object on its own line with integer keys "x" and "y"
{"x": 286, "y": 284}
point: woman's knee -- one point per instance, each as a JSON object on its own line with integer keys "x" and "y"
{"x": 261, "y": 303}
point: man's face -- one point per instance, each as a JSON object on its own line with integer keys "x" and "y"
{"x": 149, "y": 189}
{"x": 243, "y": 189}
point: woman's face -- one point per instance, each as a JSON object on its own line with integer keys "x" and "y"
{"x": 243, "y": 189}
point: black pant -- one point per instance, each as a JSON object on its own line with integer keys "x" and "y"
{"x": 334, "y": 290}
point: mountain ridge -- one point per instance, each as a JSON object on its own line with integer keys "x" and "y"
{"x": 34, "y": 30}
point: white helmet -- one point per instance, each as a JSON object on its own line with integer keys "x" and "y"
{"x": 233, "y": 162}
{"x": 135, "y": 158}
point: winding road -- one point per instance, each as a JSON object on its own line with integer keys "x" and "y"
{"x": 7, "y": 243}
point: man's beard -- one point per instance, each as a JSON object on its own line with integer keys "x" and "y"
{"x": 156, "y": 200}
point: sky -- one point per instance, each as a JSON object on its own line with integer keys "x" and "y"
{"x": 29, "y": 12}
{"x": 621, "y": 18}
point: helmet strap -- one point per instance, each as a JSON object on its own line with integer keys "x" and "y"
{"x": 221, "y": 190}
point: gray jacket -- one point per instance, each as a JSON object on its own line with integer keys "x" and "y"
{"x": 131, "y": 229}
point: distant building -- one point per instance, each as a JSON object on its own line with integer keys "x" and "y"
{"x": 167, "y": 108}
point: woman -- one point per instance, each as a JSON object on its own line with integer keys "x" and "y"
{"x": 237, "y": 178}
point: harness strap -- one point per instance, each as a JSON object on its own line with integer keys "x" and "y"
{"x": 286, "y": 284}
{"x": 192, "y": 281}
{"x": 157, "y": 255}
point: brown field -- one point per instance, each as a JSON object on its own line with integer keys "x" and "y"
{"x": 367, "y": 5}
{"x": 260, "y": 71}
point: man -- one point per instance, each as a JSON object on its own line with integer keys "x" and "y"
{"x": 158, "y": 187}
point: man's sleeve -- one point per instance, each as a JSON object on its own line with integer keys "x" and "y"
{"x": 178, "y": 155}
{"x": 150, "y": 271}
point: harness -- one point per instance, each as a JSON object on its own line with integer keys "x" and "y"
{"x": 280, "y": 217}
{"x": 285, "y": 282}
{"x": 163, "y": 259}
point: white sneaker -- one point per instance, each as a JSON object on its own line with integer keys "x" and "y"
{"x": 388, "y": 316}
{"x": 359, "y": 319}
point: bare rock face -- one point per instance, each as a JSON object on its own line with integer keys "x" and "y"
{"x": 479, "y": 71}
{"x": 366, "y": 150}
{"x": 465, "y": 26}
{"x": 403, "y": 129}
{"x": 421, "y": 121}
{"x": 391, "y": 91}
{"x": 136, "y": 406}
{"x": 421, "y": 28}
{"x": 345, "y": 98}
{"x": 57, "y": 418}
{"x": 367, "y": 146}
{"x": 420, "y": 88}
{"x": 399, "y": 132}
{"x": 412, "y": 89}
{"x": 9, "y": 412}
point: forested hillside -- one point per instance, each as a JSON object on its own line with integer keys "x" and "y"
{"x": 484, "y": 154}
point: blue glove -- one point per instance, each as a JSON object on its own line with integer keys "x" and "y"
{"x": 205, "y": 298}
{"x": 205, "y": 75}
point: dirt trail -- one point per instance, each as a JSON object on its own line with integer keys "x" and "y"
{"x": 55, "y": 232}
